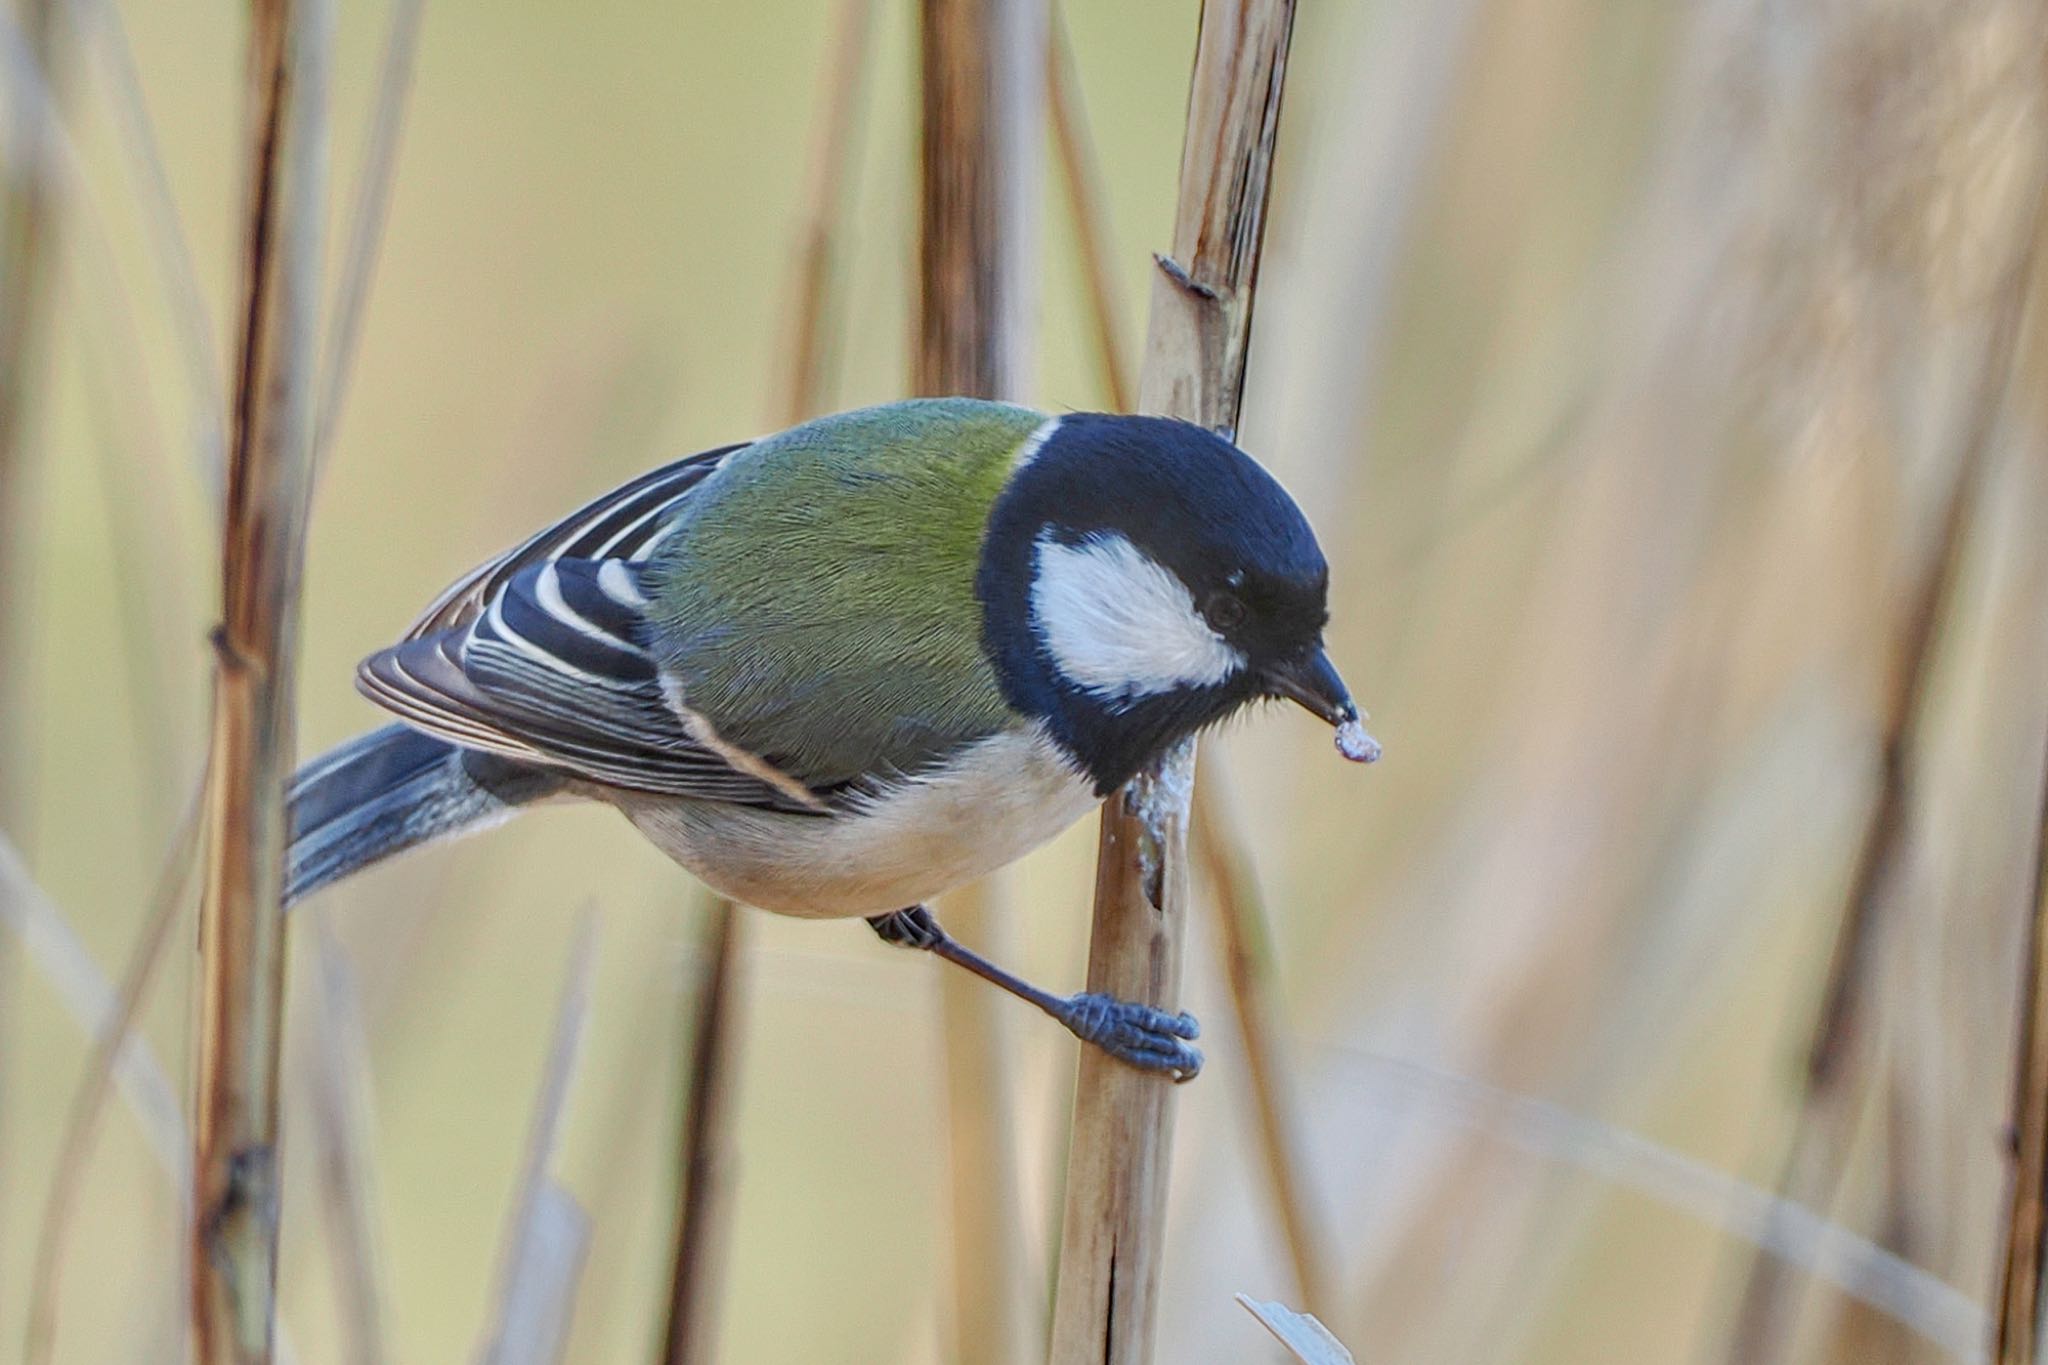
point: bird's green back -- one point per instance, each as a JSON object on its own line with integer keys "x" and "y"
{"x": 816, "y": 601}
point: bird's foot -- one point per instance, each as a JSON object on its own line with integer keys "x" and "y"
{"x": 911, "y": 928}
{"x": 1147, "y": 1038}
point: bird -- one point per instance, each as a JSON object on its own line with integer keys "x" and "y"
{"x": 842, "y": 669}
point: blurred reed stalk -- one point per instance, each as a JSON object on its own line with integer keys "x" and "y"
{"x": 547, "y": 1233}
{"x": 81, "y": 1123}
{"x": 1112, "y": 1239}
{"x": 704, "y": 1174}
{"x": 236, "y": 1179}
{"x": 704, "y": 1165}
{"x": 1233, "y": 884}
{"x": 1839, "y": 1052}
{"x": 26, "y": 270}
{"x": 983, "y": 91}
{"x": 338, "y": 1052}
{"x": 2022, "y": 1304}
{"x": 1218, "y": 844}
{"x": 1074, "y": 151}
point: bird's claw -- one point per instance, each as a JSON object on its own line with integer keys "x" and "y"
{"x": 1139, "y": 1035}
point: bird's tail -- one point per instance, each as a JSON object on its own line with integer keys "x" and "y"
{"x": 391, "y": 790}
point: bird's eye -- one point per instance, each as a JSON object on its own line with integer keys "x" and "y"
{"x": 1225, "y": 610}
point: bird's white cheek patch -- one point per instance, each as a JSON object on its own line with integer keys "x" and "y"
{"x": 1121, "y": 625}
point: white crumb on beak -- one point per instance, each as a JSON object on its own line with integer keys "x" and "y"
{"x": 1355, "y": 744}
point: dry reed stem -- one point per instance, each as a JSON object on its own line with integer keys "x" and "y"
{"x": 2022, "y": 1304}
{"x": 834, "y": 142}
{"x": 546, "y": 1233}
{"x": 1081, "y": 173}
{"x": 711, "y": 1081}
{"x": 236, "y": 1189}
{"x": 1218, "y": 844}
{"x": 982, "y": 85}
{"x": 25, "y": 275}
{"x": 704, "y": 1178}
{"x": 88, "y": 1102}
{"x": 1241, "y": 924}
{"x": 1112, "y": 1239}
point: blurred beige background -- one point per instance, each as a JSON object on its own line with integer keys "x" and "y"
{"x": 1629, "y": 359}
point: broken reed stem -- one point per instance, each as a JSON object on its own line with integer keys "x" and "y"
{"x": 1112, "y": 1238}
{"x": 983, "y": 87}
{"x": 1241, "y": 925}
{"x": 242, "y": 933}
{"x": 1074, "y": 150}
{"x": 704, "y": 1163}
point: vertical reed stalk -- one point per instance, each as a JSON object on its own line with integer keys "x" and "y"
{"x": 1218, "y": 845}
{"x": 711, "y": 1076}
{"x": 1074, "y": 150}
{"x": 236, "y": 1187}
{"x": 983, "y": 78}
{"x": 2022, "y": 1304}
{"x": 689, "y": 1335}
{"x": 1233, "y": 883}
{"x": 24, "y": 273}
{"x": 26, "y": 253}
{"x": 1112, "y": 1237}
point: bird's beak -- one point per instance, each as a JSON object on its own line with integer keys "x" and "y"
{"x": 1312, "y": 682}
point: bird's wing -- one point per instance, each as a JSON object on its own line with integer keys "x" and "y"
{"x": 626, "y": 523}
{"x": 542, "y": 655}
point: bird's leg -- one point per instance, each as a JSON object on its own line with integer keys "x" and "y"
{"x": 1148, "y": 1038}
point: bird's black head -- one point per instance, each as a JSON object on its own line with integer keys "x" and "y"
{"x": 1142, "y": 578}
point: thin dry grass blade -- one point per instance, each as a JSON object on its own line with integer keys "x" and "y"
{"x": 46, "y": 933}
{"x": 546, "y": 1234}
{"x": 540, "y": 1296}
{"x": 1074, "y": 150}
{"x": 237, "y": 1190}
{"x": 371, "y": 207}
{"x": 184, "y": 302}
{"x": 1808, "y": 1244}
{"x": 342, "y": 1100}
{"x": 1226, "y": 864}
{"x": 835, "y": 144}
{"x": 88, "y": 1102}
{"x": 1112, "y": 1238}
{"x": 1304, "y": 1337}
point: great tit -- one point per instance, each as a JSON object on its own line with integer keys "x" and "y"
{"x": 842, "y": 669}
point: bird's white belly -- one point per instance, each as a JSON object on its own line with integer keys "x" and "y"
{"x": 999, "y": 800}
